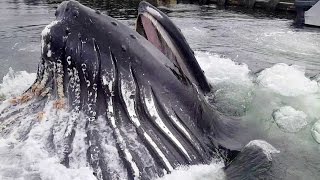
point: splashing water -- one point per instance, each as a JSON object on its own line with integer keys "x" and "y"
{"x": 199, "y": 172}
{"x": 287, "y": 80}
{"x": 14, "y": 83}
{"x": 281, "y": 100}
{"x": 289, "y": 119}
{"x": 258, "y": 97}
{"x": 27, "y": 153}
{"x": 231, "y": 81}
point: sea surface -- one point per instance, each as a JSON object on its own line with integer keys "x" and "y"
{"x": 262, "y": 68}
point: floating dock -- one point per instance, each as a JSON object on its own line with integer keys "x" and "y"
{"x": 312, "y": 16}
{"x": 303, "y": 6}
{"x": 307, "y": 11}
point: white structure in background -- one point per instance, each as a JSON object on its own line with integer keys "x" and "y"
{"x": 312, "y": 16}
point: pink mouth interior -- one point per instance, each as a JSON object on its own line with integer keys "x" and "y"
{"x": 166, "y": 45}
{"x": 151, "y": 32}
{"x": 147, "y": 29}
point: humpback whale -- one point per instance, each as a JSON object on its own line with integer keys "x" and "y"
{"x": 141, "y": 91}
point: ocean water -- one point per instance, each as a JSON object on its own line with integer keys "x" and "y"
{"x": 263, "y": 70}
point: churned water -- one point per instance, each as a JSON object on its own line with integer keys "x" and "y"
{"x": 262, "y": 69}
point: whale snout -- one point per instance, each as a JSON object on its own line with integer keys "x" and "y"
{"x": 68, "y": 9}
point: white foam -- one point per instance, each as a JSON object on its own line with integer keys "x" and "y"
{"x": 290, "y": 119}
{"x": 235, "y": 88}
{"x": 232, "y": 82}
{"x": 15, "y": 83}
{"x": 287, "y": 80}
{"x": 280, "y": 85}
{"x": 52, "y": 169}
{"x": 219, "y": 70}
{"x": 111, "y": 154}
{"x": 30, "y": 155}
{"x": 78, "y": 157}
{"x": 211, "y": 171}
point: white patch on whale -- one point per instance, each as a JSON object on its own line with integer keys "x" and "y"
{"x": 128, "y": 90}
{"x": 45, "y": 32}
{"x": 159, "y": 152}
{"x": 120, "y": 140}
{"x": 151, "y": 107}
{"x": 47, "y": 29}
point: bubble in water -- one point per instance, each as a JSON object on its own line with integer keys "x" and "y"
{"x": 287, "y": 80}
{"x": 289, "y": 119}
{"x": 231, "y": 81}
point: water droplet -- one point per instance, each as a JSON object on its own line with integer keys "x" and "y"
{"x": 98, "y": 12}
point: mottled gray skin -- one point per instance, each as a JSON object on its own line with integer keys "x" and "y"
{"x": 92, "y": 63}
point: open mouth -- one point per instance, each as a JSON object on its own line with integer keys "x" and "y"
{"x": 155, "y": 33}
{"x": 157, "y": 28}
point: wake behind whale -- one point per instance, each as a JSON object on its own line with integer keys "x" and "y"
{"x": 124, "y": 104}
